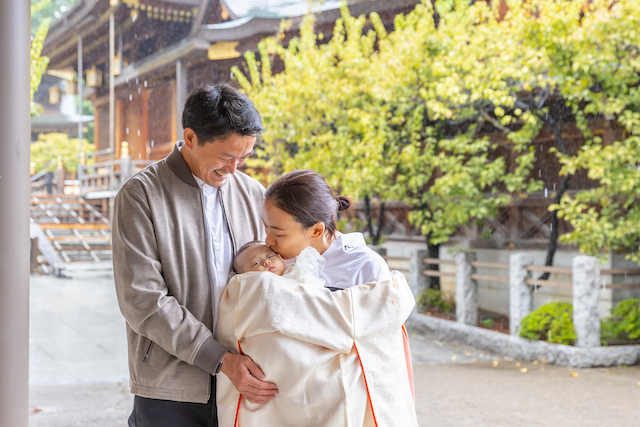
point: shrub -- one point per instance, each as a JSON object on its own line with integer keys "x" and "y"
{"x": 624, "y": 323}
{"x": 551, "y": 322}
{"x": 432, "y": 298}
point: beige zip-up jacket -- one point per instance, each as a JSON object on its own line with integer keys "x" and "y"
{"x": 161, "y": 276}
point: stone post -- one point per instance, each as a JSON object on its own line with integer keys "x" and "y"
{"x": 419, "y": 281}
{"x": 520, "y": 294}
{"x": 60, "y": 176}
{"x": 125, "y": 164}
{"x": 466, "y": 289}
{"x": 586, "y": 297}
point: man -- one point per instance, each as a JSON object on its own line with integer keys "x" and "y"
{"x": 176, "y": 227}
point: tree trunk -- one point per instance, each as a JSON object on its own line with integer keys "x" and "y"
{"x": 378, "y": 233}
{"x": 367, "y": 215}
{"x": 433, "y": 251}
{"x": 555, "y": 232}
{"x": 564, "y": 185}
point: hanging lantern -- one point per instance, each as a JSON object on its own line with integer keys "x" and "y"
{"x": 117, "y": 64}
{"x": 94, "y": 77}
{"x": 54, "y": 95}
{"x": 70, "y": 89}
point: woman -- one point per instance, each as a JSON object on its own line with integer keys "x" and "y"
{"x": 300, "y": 210}
{"x": 337, "y": 357}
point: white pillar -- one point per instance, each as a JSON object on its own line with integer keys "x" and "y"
{"x": 466, "y": 289}
{"x": 14, "y": 213}
{"x": 586, "y": 298}
{"x": 181, "y": 93}
{"x": 520, "y": 294}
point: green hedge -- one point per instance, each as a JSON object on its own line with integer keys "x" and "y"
{"x": 624, "y": 323}
{"x": 432, "y": 298}
{"x": 551, "y": 322}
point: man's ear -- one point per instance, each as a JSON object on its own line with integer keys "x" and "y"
{"x": 317, "y": 230}
{"x": 190, "y": 138}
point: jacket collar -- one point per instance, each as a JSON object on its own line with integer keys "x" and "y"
{"x": 179, "y": 167}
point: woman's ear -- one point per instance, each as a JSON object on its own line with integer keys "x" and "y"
{"x": 317, "y": 230}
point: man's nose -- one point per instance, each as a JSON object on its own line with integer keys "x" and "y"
{"x": 232, "y": 165}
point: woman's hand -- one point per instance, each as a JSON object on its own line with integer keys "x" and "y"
{"x": 247, "y": 377}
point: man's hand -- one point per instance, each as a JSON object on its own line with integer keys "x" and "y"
{"x": 247, "y": 377}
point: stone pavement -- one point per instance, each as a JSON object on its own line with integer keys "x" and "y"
{"x": 78, "y": 372}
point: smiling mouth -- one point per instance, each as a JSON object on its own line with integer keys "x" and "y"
{"x": 272, "y": 268}
{"x": 221, "y": 174}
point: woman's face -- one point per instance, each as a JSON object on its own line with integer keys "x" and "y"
{"x": 285, "y": 235}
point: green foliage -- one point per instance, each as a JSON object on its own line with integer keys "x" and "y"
{"x": 488, "y": 322}
{"x": 38, "y": 62}
{"x": 46, "y": 150}
{"x": 432, "y": 298}
{"x": 48, "y": 9}
{"x": 551, "y": 322}
{"x": 406, "y": 114}
{"x": 624, "y": 323}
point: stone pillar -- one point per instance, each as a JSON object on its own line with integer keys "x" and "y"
{"x": 466, "y": 289}
{"x": 60, "y": 172}
{"x": 520, "y": 294}
{"x": 14, "y": 213}
{"x": 125, "y": 164}
{"x": 586, "y": 297}
{"x": 418, "y": 281}
{"x": 181, "y": 93}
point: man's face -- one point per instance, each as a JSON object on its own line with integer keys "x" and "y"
{"x": 260, "y": 258}
{"x": 213, "y": 161}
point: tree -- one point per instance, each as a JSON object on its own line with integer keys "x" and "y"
{"x": 38, "y": 62}
{"x": 415, "y": 113}
{"x": 50, "y": 146}
{"x": 600, "y": 47}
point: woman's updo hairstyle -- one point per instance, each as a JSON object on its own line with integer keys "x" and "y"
{"x": 307, "y": 197}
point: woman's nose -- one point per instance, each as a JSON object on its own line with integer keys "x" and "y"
{"x": 269, "y": 240}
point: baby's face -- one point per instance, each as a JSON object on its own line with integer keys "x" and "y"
{"x": 260, "y": 258}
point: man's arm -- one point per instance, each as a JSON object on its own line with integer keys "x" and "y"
{"x": 142, "y": 292}
{"x": 149, "y": 309}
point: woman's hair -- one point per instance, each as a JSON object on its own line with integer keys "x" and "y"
{"x": 307, "y": 197}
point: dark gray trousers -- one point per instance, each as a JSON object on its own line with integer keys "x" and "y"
{"x": 167, "y": 413}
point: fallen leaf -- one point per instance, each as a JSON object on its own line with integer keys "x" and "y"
{"x": 495, "y": 363}
{"x": 574, "y": 374}
{"x": 467, "y": 354}
{"x": 541, "y": 369}
{"x": 454, "y": 357}
{"x": 518, "y": 364}
{"x": 523, "y": 370}
{"x": 535, "y": 362}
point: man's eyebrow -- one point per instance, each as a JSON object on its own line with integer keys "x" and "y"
{"x": 232, "y": 156}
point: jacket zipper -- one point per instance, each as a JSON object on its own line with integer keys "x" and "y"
{"x": 146, "y": 356}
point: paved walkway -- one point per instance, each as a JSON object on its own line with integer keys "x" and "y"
{"x": 79, "y": 373}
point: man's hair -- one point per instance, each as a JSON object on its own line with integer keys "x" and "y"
{"x": 217, "y": 111}
{"x": 244, "y": 248}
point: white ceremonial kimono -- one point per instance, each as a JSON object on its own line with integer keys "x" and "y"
{"x": 314, "y": 345}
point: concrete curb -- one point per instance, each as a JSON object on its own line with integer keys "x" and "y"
{"x": 523, "y": 349}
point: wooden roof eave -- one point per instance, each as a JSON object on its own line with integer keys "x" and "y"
{"x": 202, "y": 12}
{"x": 168, "y": 56}
{"x": 72, "y": 41}
{"x": 239, "y": 30}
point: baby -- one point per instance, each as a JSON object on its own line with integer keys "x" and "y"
{"x": 257, "y": 256}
